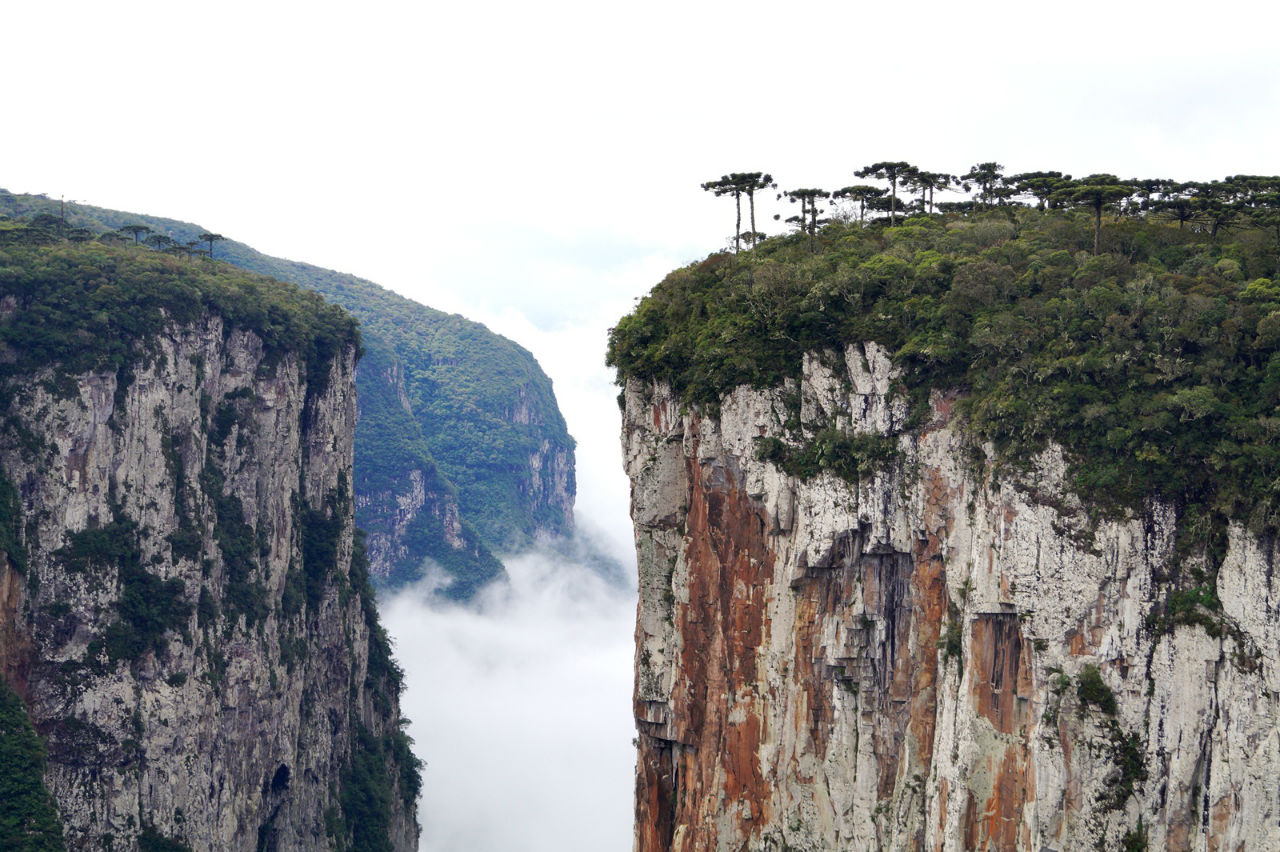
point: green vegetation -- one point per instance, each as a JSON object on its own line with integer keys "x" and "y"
{"x": 389, "y": 447}
{"x": 29, "y": 820}
{"x": 1126, "y": 755}
{"x": 1155, "y": 363}
{"x": 461, "y": 380}
{"x": 1126, "y": 748}
{"x": 465, "y": 386}
{"x": 366, "y": 796}
{"x": 1135, "y": 839}
{"x": 848, "y": 456}
{"x": 90, "y": 306}
{"x": 321, "y": 532}
{"x": 10, "y": 525}
{"x": 151, "y": 840}
{"x": 1091, "y": 689}
{"x": 148, "y": 606}
{"x": 380, "y": 765}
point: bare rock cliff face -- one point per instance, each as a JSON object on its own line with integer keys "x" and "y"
{"x": 187, "y": 632}
{"x": 928, "y": 659}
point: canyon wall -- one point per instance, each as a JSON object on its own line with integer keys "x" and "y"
{"x": 184, "y": 608}
{"x": 930, "y": 656}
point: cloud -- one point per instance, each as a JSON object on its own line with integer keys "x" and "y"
{"x": 521, "y": 710}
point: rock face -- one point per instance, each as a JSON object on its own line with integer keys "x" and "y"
{"x": 930, "y": 658}
{"x": 469, "y": 411}
{"x": 407, "y": 509}
{"x": 186, "y": 626}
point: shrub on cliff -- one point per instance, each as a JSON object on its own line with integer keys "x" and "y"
{"x": 1155, "y": 364}
{"x": 28, "y": 816}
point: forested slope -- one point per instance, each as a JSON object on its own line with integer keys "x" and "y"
{"x": 461, "y": 451}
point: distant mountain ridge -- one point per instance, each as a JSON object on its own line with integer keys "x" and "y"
{"x": 461, "y": 451}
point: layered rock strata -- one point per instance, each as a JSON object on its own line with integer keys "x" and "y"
{"x": 930, "y": 657}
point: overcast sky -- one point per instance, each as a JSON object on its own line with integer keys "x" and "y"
{"x": 536, "y": 165}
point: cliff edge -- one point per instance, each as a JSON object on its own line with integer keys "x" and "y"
{"x": 958, "y": 535}
{"x": 926, "y": 658}
{"x": 187, "y": 615}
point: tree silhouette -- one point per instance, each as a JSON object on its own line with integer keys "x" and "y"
{"x": 862, "y": 194}
{"x": 1095, "y": 192}
{"x": 210, "y": 239}
{"x": 1217, "y": 204}
{"x": 1039, "y": 185}
{"x": 926, "y": 183}
{"x": 989, "y": 179}
{"x": 49, "y": 222}
{"x": 728, "y": 186}
{"x": 1178, "y": 205}
{"x": 750, "y": 183}
{"x": 1262, "y": 206}
{"x": 160, "y": 242}
{"x": 808, "y": 220}
{"x": 135, "y": 231}
{"x": 892, "y": 171}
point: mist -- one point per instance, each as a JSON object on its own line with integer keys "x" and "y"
{"x": 521, "y": 708}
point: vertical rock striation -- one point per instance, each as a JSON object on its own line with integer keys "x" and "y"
{"x": 191, "y": 627}
{"x": 928, "y": 657}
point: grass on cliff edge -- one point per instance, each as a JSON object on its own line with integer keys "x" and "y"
{"x": 1155, "y": 363}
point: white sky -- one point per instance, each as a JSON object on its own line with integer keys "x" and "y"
{"x": 536, "y": 165}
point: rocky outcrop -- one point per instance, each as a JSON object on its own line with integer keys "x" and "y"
{"x": 929, "y": 657}
{"x": 190, "y": 626}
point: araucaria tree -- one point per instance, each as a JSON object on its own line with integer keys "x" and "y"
{"x": 892, "y": 171}
{"x": 210, "y": 239}
{"x": 135, "y": 231}
{"x": 808, "y": 220}
{"x": 862, "y": 195}
{"x": 751, "y": 182}
{"x": 739, "y": 184}
{"x": 725, "y": 186}
{"x": 926, "y": 183}
{"x": 1094, "y": 192}
{"x": 1039, "y": 185}
{"x": 989, "y": 179}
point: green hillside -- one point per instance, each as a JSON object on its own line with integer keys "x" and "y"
{"x": 460, "y": 380}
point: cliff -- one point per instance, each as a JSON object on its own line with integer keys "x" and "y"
{"x": 912, "y": 660}
{"x": 461, "y": 450}
{"x": 956, "y": 536}
{"x": 406, "y": 506}
{"x": 186, "y": 615}
{"x": 485, "y": 410}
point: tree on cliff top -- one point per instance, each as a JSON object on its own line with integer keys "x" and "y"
{"x": 892, "y": 171}
{"x": 739, "y": 184}
{"x": 1094, "y": 192}
{"x": 861, "y": 194}
{"x": 808, "y": 220}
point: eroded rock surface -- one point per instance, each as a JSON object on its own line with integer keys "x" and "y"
{"x": 187, "y": 633}
{"x": 897, "y": 663}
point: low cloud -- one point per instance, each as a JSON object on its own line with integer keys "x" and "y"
{"x": 521, "y": 709}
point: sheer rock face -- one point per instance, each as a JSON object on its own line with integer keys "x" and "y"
{"x": 547, "y": 484}
{"x": 236, "y": 726}
{"x": 895, "y": 664}
{"x": 551, "y": 488}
